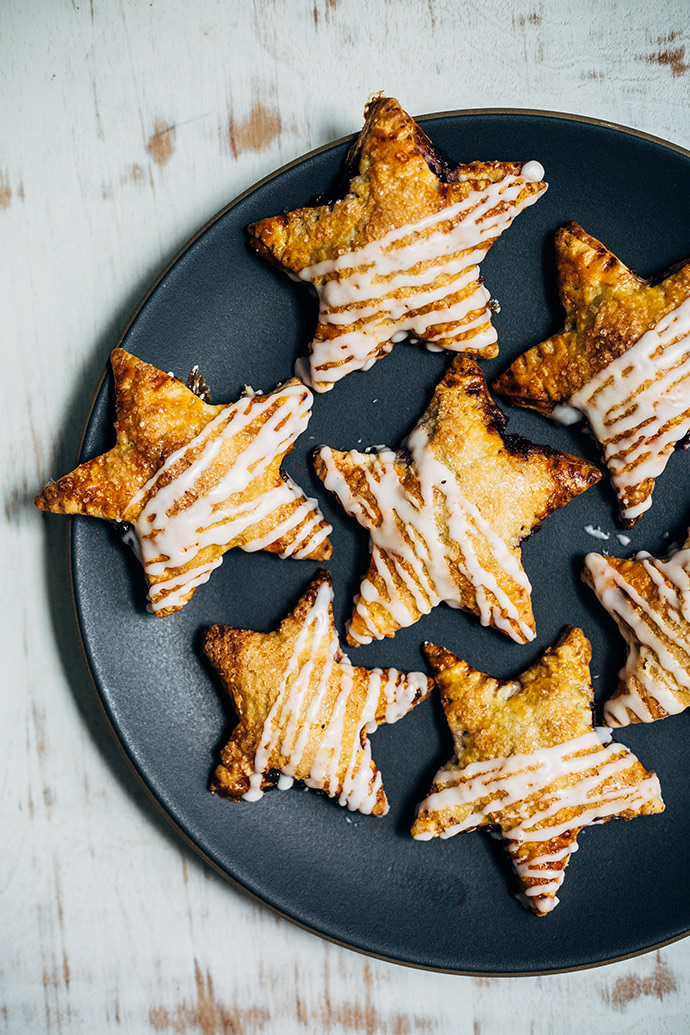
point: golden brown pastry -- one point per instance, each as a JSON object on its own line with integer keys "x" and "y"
{"x": 398, "y": 254}
{"x": 529, "y": 762}
{"x": 447, "y": 513}
{"x": 195, "y": 480}
{"x": 622, "y": 360}
{"x": 304, "y": 711}
{"x": 650, "y": 601}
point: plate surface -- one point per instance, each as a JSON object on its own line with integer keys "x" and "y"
{"x": 356, "y": 879}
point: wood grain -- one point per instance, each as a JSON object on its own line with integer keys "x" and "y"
{"x": 125, "y": 126}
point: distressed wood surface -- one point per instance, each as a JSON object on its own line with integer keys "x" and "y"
{"x": 125, "y": 125}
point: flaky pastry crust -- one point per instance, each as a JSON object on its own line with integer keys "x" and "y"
{"x": 195, "y": 480}
{"x": 397, "y": 253}
{"x": 304, "y": 711}
{"x": 529, "y": 763}
{"x": 649, "y": 599}
{"x": 447, "y": 513}
{"x": 611, "y": 311}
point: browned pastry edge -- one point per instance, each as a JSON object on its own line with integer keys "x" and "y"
{"x": 608, "y": 307}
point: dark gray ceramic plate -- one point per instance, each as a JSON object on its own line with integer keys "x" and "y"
{"x": 359, "y": 880}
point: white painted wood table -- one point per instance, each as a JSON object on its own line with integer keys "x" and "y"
{"x": 125, "y": 125}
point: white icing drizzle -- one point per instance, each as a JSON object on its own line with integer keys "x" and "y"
{"x": 566, "y": 414}
{"x": 564, "y": 787}
{"x": 656, "y": 630}
{"x": 408, "y": 282}
{"x": 195, "y": 499}
{"x": 129, "y": 538}
{"x": 638, "y": 406}
{"x": 302, "y": 370}
{"x": 596, "y": 532}
{"x": 532, "y": 171}
{"x": 408, "y": 548}
{"x": 305, "y": 707}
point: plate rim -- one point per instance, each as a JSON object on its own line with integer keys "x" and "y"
{"x": 105, "y": 712}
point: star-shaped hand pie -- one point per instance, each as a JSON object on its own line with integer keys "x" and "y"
{"x": 622, "y": 360}
{"x": 446, "y": 515}
{"x": 650, "y": 601}
{"x": 304, "y": 711}
{"x": 398, "y": 254}
{"x": 529, "y": 762}
{"x": 195, "y": 480}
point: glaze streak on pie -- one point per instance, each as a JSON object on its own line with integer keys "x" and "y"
{"x": 304, "y": 710}
{"x": 446, "y": 515}
{"x": 622, "y": 360}
{"x": 529, "y": 764}
{"x": 195, "y": 480}
{"x": 650, "y": 601}
{"x": 398, "y": 254}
